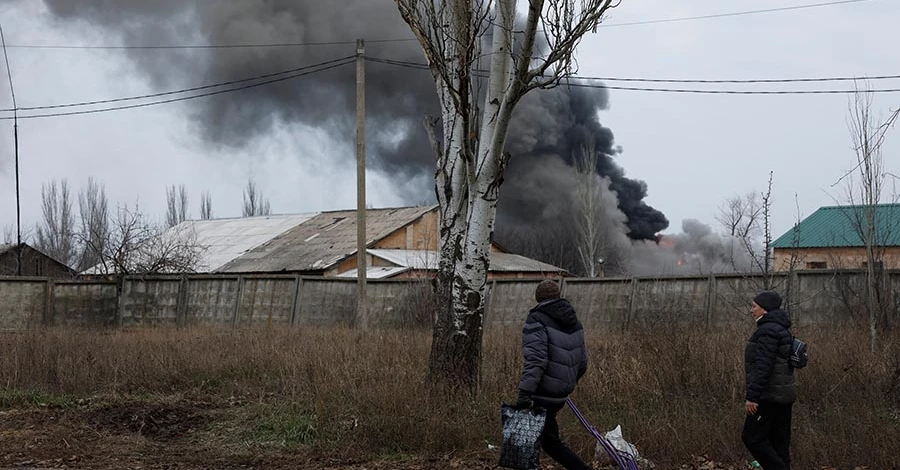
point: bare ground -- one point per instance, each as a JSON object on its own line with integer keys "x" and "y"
{"x": 182, "y": 435}
{"x": 188, "y": 434}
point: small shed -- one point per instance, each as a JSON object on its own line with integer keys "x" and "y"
{"x": 34, "y": 263}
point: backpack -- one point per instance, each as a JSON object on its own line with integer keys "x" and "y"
{"x": 799, "y": 354}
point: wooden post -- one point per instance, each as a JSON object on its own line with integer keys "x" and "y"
{"x": 362, "y": 318}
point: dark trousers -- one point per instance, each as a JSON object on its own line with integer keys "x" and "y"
{"x": 767, "y": 435}
{"x": 554, "y": 446}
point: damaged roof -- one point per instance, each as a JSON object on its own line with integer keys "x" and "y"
{"x": 223, "y": 240}
{"x": 428, "y": 259}
{"x": 320, "y": 243}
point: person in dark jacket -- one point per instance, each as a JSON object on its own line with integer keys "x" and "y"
{"x": 555, "y": 359}
{"x": 770, "y": 384}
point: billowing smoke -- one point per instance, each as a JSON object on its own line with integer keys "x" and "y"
{"x": 397, "y": 98}
{"x": 549, "y": 129}
{"x": 560, "y": 124}
{"x": 696, "y": 250}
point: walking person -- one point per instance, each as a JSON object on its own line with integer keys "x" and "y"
{"x": 555, "y": 359}
{"x": 770, "y": 384}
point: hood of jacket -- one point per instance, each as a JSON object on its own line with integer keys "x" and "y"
{"x": 776, "y": 316}
{"x": 560, "y": 311}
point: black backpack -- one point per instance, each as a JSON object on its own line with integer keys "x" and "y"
{"x": 799, "y": 354}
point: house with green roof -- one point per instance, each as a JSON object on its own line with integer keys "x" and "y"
{"x": 833, "y": 238}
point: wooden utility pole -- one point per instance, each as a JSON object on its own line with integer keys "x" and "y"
{"x": 362, "y": 318}
{"x": 15, "y": 110}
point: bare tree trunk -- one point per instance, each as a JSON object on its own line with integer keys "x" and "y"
{"x": 470, "y": 157}
{"x": 767, "y": 234}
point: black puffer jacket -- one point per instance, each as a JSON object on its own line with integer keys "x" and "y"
{"x": 555, "y": 356}
{"x": 770, "y": 377}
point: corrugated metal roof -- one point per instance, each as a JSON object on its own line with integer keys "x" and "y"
{"x": 376, "y": 272}
{"x": 323, "y": 241}
{"x": 836, "y": 226}
{"x": 517, "y": 263}
{"x": 224, "y": 240}
{"x": 415, "y": 259}
{"x": 428, "y": 259}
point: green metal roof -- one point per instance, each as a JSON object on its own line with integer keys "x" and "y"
{"x": 836, "y": 226}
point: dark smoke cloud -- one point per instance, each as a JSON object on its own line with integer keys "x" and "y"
{"x": 548, "y": 125}
{"x": 559, "y": 123}
{"x": 396, "y": 97}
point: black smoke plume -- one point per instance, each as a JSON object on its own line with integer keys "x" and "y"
{"x": 548, "y": 127}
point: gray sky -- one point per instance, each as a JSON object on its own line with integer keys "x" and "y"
{"x": 693, "y": 151}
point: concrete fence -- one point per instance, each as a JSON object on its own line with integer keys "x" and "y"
{"x": 813, "y": 297}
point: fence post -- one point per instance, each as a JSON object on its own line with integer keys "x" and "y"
{"x": 710, "y": 300}
{"x": 181, "y": 302}
{"x": 120, "y": 296}
{"x": 48, "y": 302}
{"x": 630, "y": 313}
{"x": 488, "y": 311}
{"x": 794, "y": 294}
{"x": 237, "y": 304}
{"x": 298, "y": 298}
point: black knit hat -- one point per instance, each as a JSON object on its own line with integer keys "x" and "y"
{"x": 546, "y": 290}
{"x": 768, "y": 299}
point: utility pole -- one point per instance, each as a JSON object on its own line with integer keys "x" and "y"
{"x": 16, "y": 146}
{"x": 362, "y": 317}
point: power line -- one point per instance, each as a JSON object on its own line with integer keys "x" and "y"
{"x": 416, "y": 66}
{"x": 412, "y": 65}
{"x": 186, "y": 98}
{"x": 737, "y": 13}
{"x": 735, "y": 92}
{"x": 174, "y": 92}
{"x": 667, "y": 80}
{"x": 12, "y": 89}
{"x": 410, "y": 39}
{"x": 212, "y": 46}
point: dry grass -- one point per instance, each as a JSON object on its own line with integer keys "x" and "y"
{"x": 676, "y": 393}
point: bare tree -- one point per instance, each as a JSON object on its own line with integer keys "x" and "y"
{"x": 56, "y": 232}
{"x": 9, "y": 235}
{"x": 741, "y": 220}
{"x": 206, "y": 212}
{"x": 254, "y": 201}
{"x": 767, "y": 233}
{"x": 138, "y": 246}
{"x": 865, "y": 187}
{"x": 470, "y": 157}
{"x": 597, "y": 253}
{"x": 93, "y": 233}
{"x": 176, "y": 205}
{"x": 740, "y": 215}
